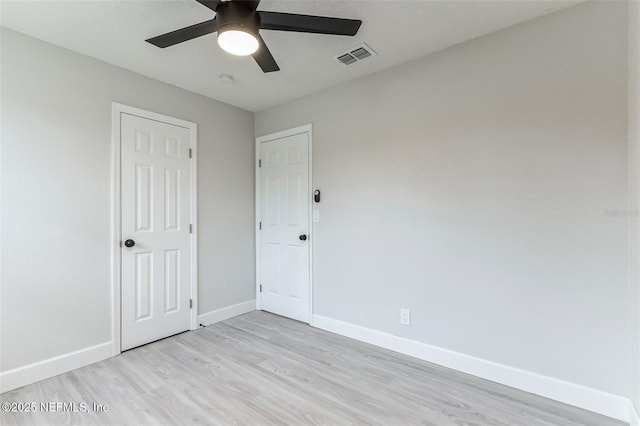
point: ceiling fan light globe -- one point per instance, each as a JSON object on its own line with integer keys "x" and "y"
{"x": 239, "y": 43}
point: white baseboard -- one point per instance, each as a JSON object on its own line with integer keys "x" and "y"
{"x": 227, "y": 312}
{"x": 570, "y": 393}
{"x": 634, "y": 415}
{"x": 22, "y": 376}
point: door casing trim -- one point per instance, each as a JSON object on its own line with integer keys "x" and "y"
{"x": 117, "y": 110}
{"x": 307, "y": 128}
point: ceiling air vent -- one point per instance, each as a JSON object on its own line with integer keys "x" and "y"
{"x": 356, "y": 54}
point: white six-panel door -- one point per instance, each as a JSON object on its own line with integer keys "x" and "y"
{"x": 155, "y": 203}
{"x": 285, "y": 228}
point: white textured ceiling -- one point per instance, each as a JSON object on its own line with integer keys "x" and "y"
{"x": 399, "y": 31}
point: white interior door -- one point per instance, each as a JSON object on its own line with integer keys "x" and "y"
{"x": 284, "y": 234}
{"x": 155, "y": 188}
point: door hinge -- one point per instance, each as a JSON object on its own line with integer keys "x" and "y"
{"x": 260, "y": 288}
{"x": 190, "y": 153}
{"x": 259, "y": 163}
{"x": 190, "y": 303}
{"x": 190, "y": 228}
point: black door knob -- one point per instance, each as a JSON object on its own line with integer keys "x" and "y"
{"x": 129, "y": 243}
{"x": 303, "y": 237}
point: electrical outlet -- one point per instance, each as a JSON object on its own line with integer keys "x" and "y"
{"x": 405, "y": 316}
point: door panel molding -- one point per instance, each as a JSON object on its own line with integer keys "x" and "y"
{"x": 308, "y": 129}
{"x": 117, "y": 110}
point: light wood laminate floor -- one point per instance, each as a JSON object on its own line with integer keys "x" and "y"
{"x": 260, "y": 368}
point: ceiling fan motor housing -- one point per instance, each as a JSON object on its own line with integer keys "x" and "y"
{"x": 237, "y": 16}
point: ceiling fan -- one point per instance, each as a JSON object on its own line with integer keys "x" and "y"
{"x": 238, "y": 23}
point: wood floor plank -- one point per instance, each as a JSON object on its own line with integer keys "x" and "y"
{"x": 262, "y": 369}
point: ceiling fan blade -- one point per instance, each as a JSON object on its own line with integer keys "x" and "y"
{"x": 252, "y": 4}
{"x": 308, "y": 23}
{"x": 184, "y": 34}
{"x": 264, "y": 58}
{"x": 211, "y": 4}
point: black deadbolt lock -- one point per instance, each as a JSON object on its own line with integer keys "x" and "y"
{"x": 303, "y": 237}
{"x": 129, "y": 243}
{"x": 316, "y": 195}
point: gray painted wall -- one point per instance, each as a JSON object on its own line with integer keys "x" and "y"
{"x": 56, "y": 156}
{"x": 634, "y": 199}
{"x": 471, "y": 186}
